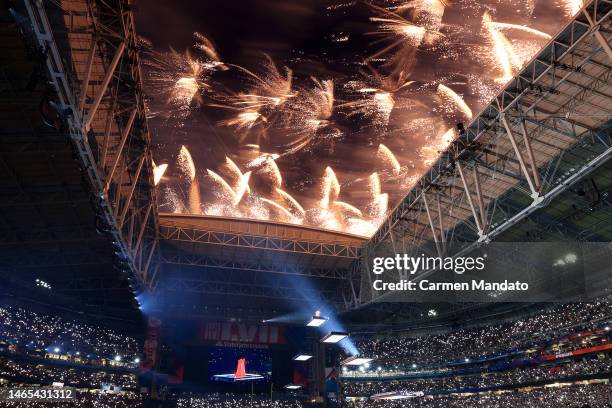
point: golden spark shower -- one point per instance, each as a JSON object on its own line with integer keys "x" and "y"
{"x": 329, "y": 118}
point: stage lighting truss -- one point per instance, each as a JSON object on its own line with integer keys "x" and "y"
{"x": 334, "y": 337}
{"x": 317, "y": 321}
{"x": 356, "y": 361}
{"x": 302, "y": 357}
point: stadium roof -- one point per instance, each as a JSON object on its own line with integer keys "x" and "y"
{"x": 76, "y": 174}
{"x": 535, "y": 161}
{"x": 533, "y": 164}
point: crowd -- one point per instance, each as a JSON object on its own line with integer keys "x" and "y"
{"x": 576, "y": 396}
{"x": 35, "y": 330}
{"x": 84, "y": 399}
{"x": 494, "y": 379}
{"x": 475, "y": 342}
{"x": 234, "y": 401}
{"x": 20, "y": 371}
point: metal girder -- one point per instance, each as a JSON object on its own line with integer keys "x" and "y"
{"x": 182, "y": 258}
{"x": 431, "y": 224}
{"x": 124, "y": 136}
{"x": 110, "y": 70}
{"x": 481, "y": 207}
{"x": 244, "y": 240}
{"x": 519, "y": 156}
{"x": 468, "y": 195}
{"x": 557, "y": 140}
{"x": 114, "y": 50}
{"x": 508, "y": 99}
{"x": 600, "y": 38}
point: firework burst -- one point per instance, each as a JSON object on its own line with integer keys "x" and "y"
{"x": 402, "y": 37}
{"x": 266, "y": 96}
{"x": 308, "y": 118}
{"x": 177, "y": 79}
{"x": 377, "y": 96}
{"x": 436, "y": 62}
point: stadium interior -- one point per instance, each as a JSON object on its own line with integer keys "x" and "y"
{"x": 195, "y": 195}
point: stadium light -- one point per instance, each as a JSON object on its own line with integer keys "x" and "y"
{"x": 302, "y": 357}
{"x": 293, "y": 387}
{"x": 356, "y": 361}
{"x": 317, "y": 320}
{"x": 334, "y": 337}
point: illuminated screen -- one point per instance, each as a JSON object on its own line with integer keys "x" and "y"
{"x": 223, "y": 360}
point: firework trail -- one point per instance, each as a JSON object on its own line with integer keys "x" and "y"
{"x": 347, "y": 209}
{"x": 453, "y": 102}
{"x": 262, "y": 160}
{"x": 431, "y": 152}
{"x": 332, "y": 212}
{"x": 173, "y": 201}
{"x": 572, "y": 7}
{"x": 378, "y": 208}
{"x": 158, "y": 172}
{"x": 309, "y": 116}
{"x": 330, "y": 188}
{"x": 522, "y": 28}
{"x": 208, "y": 48}
{"x": 271, "y": 172}
{"x": 234, "y": 172}
{"x": 243, "y": 188}
{"x": 225, "y": 190}
{"x": 285, "y": 214}
{"x": 318, "y": 105}
{"x": 195, "y": 203}
{"x": 388, "y": 159}
{"x": 244, "y": 121}
{"x": 502, "y": 50}
{"x": 298, "y": 210}
{"x": 374, "y": 184}
{"x": 186, "y": 164}
{"x": 408, "y": 94}
{"x": 324, "y": 218}
{"x": 188, "y": 169}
